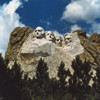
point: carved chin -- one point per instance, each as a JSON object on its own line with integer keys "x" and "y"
{"x": 50, "y": 39}
{"x": 38, "y": 36}
{"x": 58, "y": 42}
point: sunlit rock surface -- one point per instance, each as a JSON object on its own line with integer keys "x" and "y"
{"x": 27, "y": 46}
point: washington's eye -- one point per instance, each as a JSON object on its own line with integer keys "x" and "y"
{"x": 68, "y": 38}
{"x": 39, "y": 30}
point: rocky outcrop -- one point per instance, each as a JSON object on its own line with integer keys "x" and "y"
{"x": 80, "y": 33}
{"x": 27, "y": 46}
{"x": 91, "y": 47}
{"x": 95, "y": 37}
{"x": 17, "y": 38}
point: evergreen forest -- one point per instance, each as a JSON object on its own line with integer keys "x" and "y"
{"x": 15, "y": 86}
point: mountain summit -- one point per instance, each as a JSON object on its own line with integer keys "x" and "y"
{"x": 26, "y": 46}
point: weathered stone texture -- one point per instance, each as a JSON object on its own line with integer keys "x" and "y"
{"x": 26, "y": 50}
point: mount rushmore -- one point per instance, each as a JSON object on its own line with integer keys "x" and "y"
{"x": 27, "y": 46}
{"x": 70, "y": 43}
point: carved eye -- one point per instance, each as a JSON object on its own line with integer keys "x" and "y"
{"x": 52, "y": 34}
{"x": 57, "y": 40}
{"x": 47, "y": 33}
{"x": 68, "y": 38}
{"x": 39, "y": 30}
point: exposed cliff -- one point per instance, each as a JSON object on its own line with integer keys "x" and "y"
{"x": 91, "y": 47}
{"x": 27, "y": 46}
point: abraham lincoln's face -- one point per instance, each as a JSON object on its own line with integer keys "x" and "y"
{"x": 67, "y": 38}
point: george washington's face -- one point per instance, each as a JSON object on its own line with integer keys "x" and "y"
{"x": 39, "y": 32}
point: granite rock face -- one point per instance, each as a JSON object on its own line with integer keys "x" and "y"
{"x": 17, "y": 38}
{"x": 91, "y": 48}
{"x": 26, "y": 46}
{"x": 95, "y": 37}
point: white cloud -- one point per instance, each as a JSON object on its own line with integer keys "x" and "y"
{"x": 26, "y": 0}
{"x": 9, "y": 19}
{"x": 86, "y": 10}
{"x": 74, "y": 27}
{"x": 48, "y": 23}
{"x": 57, "y": 33}
{"x": 45, "y": 22}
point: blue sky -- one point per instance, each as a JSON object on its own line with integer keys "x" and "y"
{"x": 59, "y": 16}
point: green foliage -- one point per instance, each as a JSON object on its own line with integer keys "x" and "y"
{"x": 15, "y": 74}
{"x": 41, "y": 72}
{"x": 41, "y": 87}
{"x": 42, "y": 79}
{"x": 3, "y": 69}
{"x": 62, "y": 74}
{"x": 79, "y": 81}
{"x": 10, "y": 81}
{"x": 97, "y": 82}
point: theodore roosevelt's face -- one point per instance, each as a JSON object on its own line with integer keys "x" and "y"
{"x": 59, "y": 40}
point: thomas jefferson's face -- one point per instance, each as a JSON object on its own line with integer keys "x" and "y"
{"x": 50, "y": 36}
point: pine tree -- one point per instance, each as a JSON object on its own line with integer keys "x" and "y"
{"x": 3, "y": 68}
{"x": 3, "y": 78}
{"x": 42, "y": 79}
{"x": 14, "y": 82}
{"x": 62, "y": 74}
{"x": 79, "y": 81}
{"x": 26, "y": 89}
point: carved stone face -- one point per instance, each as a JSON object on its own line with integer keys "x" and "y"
{"x": 67, "y": 39}
{"x": 59, "y": 40}
{"x": 39, "y": 32}
{"x": 50, "y": 36}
